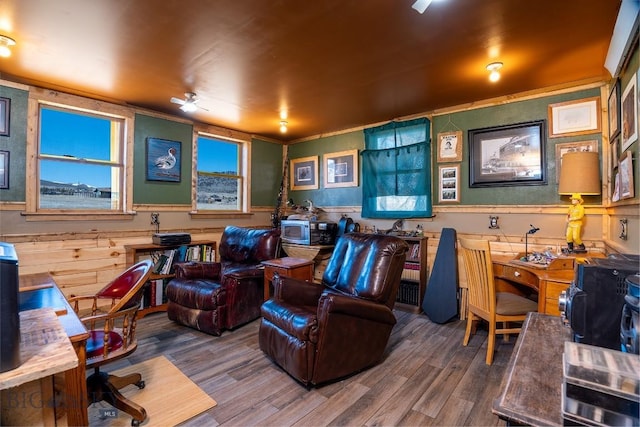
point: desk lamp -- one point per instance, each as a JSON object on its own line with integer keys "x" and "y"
{"x": 579, "y": 176}
{"x": 532, "y": 230}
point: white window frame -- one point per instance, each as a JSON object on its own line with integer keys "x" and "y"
{"x": 40, "y": 97}
{"x": 244, "y": 163}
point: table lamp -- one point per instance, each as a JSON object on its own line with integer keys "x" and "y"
{"x": 579, "y": 176}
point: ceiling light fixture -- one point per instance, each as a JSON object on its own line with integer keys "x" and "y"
{"x": 189, "y": 107}
{"x": 494, "y": 69}
{"x": 283, "y": 126}
{"x": 5, "y": 46}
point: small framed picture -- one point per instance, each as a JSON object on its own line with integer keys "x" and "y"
{"x": 449, "y": 184}
{"x": 304, "y": 173}
{"x": 5, "y": 115}
{"x": 629, "y": 114}
{"x": 572, "y": 118}
{"x": 4, "y": 169}
{"x": 163, "y": 160}
{"x": 340, "y": 169}
{"x": 570, "y": 147}
{"x": 450, "y": 146}
{"x": 614, "y": 110}
{"x": 625, "y": 169}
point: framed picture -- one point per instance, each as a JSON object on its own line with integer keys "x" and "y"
{"x": 163, "y": 160}
{"x": 340, "y": 169}
{"x": 4, "y": 169}
{"x": 449, "y": 184}
{"x": 629, "y": 114}
{"x": 572, "y": 118}
{"x": 570, "y": 147}
{"x": 614, "y": 110}
{"x": 304, "y": 173}
{"x": 625, "y": 169}
{"x": 5, "y": 115}
{"x": 450, "y": 146}
{"x": 615, "y": 149}
{"x": 508, "y": 155}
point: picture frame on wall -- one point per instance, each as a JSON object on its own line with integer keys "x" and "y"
{"x": 629, "y": 114}
{"x": 450, "y": 146}
{"x": 340, "y": 169}
{"x": 163, "y": 160}
{"x": 615, "y": 149}
{"x": 510, "y": 155}
{"x": 572, "y": 147}
{"x": 571, "y": 118}
{"x": 449, "y": 184}
{"x": 5, "y": 116}
{"x": 4, "y": 170}
{"x": 614, "y": 110}
{"x": 304, "y": 173}
{"x": 625, "y": 169}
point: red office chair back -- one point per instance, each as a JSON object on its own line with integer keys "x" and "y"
{"x": 131, "y": 281}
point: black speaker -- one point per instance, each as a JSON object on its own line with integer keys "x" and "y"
{"x": 9, "y": 318}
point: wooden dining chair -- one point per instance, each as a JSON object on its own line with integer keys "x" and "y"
{"x": 113, "y": 337}
{"x": 483, "y": 300}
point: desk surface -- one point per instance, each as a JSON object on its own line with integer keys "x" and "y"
{"x": 531, "y": 389}
{"x": 44, "y": 349}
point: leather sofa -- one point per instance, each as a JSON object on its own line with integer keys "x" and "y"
{"x": 323, "y": 332}
{"x": 214, "y": 296}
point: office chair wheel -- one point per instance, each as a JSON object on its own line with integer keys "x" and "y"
{"x": 140, "y": 384}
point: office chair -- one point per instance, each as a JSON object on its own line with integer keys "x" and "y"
{"x": 112, "y": 337}
{"x": 484, "y": 302}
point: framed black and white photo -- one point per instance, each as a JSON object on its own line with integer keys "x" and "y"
{"x": 510, "y": 155}
{"x": 629, "y": 114}
{"x": 571, "y": 118}
{"x": 4, "y": 169}
{"x": 5, "y": 116}
{"x": 614, "y": 110}
{"x": 304, "y": 173}
{"x": 450, "y": 146}
{"x": 340, "y": 169}
{"x": 163, "y": 160}
{"x": 449, "y": 184}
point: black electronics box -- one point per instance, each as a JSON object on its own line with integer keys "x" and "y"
{"x": 171, "y": 239}
{"x": 601, "y": 386}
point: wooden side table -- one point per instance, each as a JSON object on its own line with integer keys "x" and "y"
{"x": 297, "y": 268}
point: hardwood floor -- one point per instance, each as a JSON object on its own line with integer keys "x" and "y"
{"x": 427, "y": 378}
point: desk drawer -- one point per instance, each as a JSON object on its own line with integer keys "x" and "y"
{"x": 517, "y": 275}
{"x": 553, "y": 290}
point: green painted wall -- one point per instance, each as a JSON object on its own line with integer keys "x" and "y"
{"x": 157, "y": 192}
{"x": 349, "y": 196}
{"x": 15, "y": 144}
{"x": 266, "y": 172}
{"x": 516, "y": 112}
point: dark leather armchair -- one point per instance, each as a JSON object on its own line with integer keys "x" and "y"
{"x": 214, "y": 296}
{"x": 323, "y": 332}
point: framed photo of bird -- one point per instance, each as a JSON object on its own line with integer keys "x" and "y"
{"x": 163, "y": 160}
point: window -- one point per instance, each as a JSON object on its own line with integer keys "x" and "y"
{"x": 221, "y": 168}
{"x": 80, "y": 160}
{"x": 396, "y": 170}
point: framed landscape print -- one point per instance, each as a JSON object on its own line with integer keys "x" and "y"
{"x": 450, "y": 146}
{"x": 449, "y": 184}
{"x": 340, "y": 169}
{"x": 304, "y": 173}
{"x": 508, "y": 155}
{"x": 629, "y": 114}
{"x": 572, "y": 118}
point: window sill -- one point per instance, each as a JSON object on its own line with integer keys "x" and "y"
{"x": 78, "y": 216}
{"x": 220, "y": 215}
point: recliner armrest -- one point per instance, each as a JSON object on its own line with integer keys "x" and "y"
{"x": 296, "y": 291}
{"x": 248, "y": 272}
{"x": 333, "y": 302}
{"x": 198, "y": 270}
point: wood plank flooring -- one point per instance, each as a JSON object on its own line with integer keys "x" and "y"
{"x": 426, "y": 379}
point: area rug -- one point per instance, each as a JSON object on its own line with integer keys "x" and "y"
{"x": 169, "y": 397}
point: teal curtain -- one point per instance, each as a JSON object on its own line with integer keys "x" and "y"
{"x": 396, "y": 170}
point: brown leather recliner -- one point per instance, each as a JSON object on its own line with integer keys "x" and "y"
{"x": 323, "y": 332}
{"x": 214, "y": 296}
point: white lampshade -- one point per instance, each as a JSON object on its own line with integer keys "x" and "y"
{"x": 580, "y": 173}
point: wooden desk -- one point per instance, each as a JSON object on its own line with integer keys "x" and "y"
{"x": 548, "y": 283}
{"x": 531, "y": 389}
{"x": 44, "y": 351}
{"x": 297, "y": 268}
{"x": 41, "y": 289}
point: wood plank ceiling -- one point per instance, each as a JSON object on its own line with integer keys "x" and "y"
{"x": 328, "y": 65}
